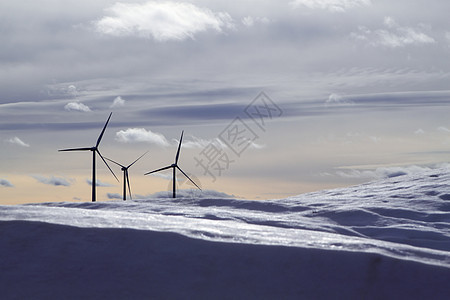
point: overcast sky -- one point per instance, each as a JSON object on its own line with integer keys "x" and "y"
{"x": 353, "y": 90}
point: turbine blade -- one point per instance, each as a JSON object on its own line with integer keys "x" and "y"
{"x": 78, "y": 149}
{"x": 107, "y": 165}
{"x": 128, "y": 181}
{"x": 136, "y": 160}
{"x": 179, "y": 147}
{"x": 188, "y": 178}
{"x": 162, "y": 169}
{"x": 103, "y": 131}
{"x": 114, "y": 162}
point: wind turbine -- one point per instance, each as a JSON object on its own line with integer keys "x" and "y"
{"x": 175, "y": 166}
{"x": 126, "y": 179}
{"x": 95, "y": 150}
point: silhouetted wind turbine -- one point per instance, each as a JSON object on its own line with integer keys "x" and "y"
{"x": 175, "y": 166}
{"x": 95, "y": 150}
{"x": 126, "y": 179}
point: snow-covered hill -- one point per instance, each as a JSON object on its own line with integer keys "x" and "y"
{"x": 388, "y": 239}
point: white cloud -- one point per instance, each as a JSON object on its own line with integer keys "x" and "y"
{"x": 16, "y": 141}
{"x": 162, "y": 21}
{"x": 5, "y": 183}
{"x": 330, "y": 5}
{"x": 393, "y": 35}
{"x": 256, "y": 146}
{"x": 356, "y": 174}
{"x": 136, "y": 135}
{"x": 419, "y": 131}
{"x": 77, "y": 106}
{"x": 99, "y": 183}
{"x": 336, "y": 99}
{"x": 72, "y": 91}
{"x": 118, "y": 102}
{"x": 166, "y": 175}
{"x": 52, "y": 180}
{"x": 250, "y": 21}
{"x": 443, "y": 129}
{"x": 404, "y": 36}
{"x": 198, "y": 143}
{"x": 390, "y": 22}
{"x": 374, "y": 139}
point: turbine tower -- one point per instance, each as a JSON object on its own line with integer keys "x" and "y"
{"x": 95, "y": 150}
{"x": 126, "y": 179}
{"x": 175, "y": 166}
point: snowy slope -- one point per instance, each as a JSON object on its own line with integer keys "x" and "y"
{"x": 386, "y": 239}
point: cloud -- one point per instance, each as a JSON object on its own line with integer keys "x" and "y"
{"x": 443, "y": 129}
{"x": 330, "y": 5}
{"x": 180, "y": 178}
{"x": 257, "y": 146}
{"x": 199, "y": 112}
{"x": 335, "y": 99}
{"x": 384, "y": 172}
{"x": 52, "y": 180}
{"x": 5, "y": 183}
{"x": 16, "y": 141}
{"x": 114, "y": 196}
{"x": 141, "y": 135}
{"x": 161, "y": 21}
{"x": 393, "y": 35}
{"x": 189, "y": 194}
{"x": 77, "y": 106}
{"x": 61, "y": 90}
{"x": 419, "y": 131}
{"x": 198, "y": 143}
{"x": 118, "y": 102}
{"x": 250, "y": 21}
{"x": 72, "y": 91}
{"x": 99, "y": 183}
{"x": 164, "y": 176}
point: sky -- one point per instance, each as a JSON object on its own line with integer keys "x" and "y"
{"x": 276, "y": 98}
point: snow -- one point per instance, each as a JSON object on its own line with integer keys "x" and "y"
{"x": 388, "y": 239}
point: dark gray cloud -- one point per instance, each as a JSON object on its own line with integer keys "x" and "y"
{"x": 5, "y": 183}
{"x": 186, "y": 193}
{"x": 99, "y": 183}
{"x": 181, "y": 193}
{"x": 204, "y": 112}
{"x": 404, "y": 99}
{"x": 52, "y": 180}
{"x": 387, "y": 172}
{"x": 114, "y": 196}
{"x": 210, "y": 113}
